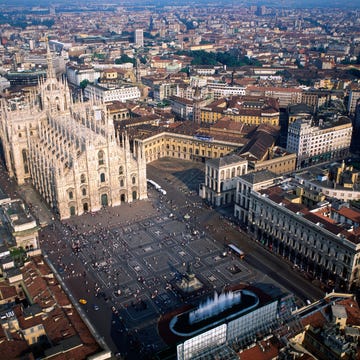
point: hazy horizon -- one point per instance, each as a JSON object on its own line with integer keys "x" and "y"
{"x": 127, "y": 3}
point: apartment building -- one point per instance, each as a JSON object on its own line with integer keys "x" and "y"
{"x": 139, "y": 37}
{"x": 277, "y": 160}
{"x": 285, "y": 95}
{"x": 50, "y": 323}
{"x": 336, "y": 181}
{"x": 316, "y": 98}
{"x": 182, "y": 108}
{"x": 354, "y": 98}
{"x": 19, "y": 226}
{"x": 315, "y": 143}
{"x": 221, "y": 90}
{"x": 76, "y": 74}
{"x": 164, "y": 90}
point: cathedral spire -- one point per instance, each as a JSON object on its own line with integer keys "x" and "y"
{"x": 49, "y": 60}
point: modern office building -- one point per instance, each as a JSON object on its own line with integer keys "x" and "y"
{"x": 227, "y": 322}
{"x": 354, "y": 98}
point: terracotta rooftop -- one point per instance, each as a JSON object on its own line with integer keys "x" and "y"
{"x": 7, "y": 291}
{"x": 352, "y": 310}
{"x": 263, "y": 350}
{"x": 68, "y": 334}
{"x": 278, "y": 195}
{"x": 349, "y": 214}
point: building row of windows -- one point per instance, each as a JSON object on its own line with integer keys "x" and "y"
{"x": 226, "y": 174}
{"x": 102, "y": 180}
{"x": 295, "y": 232}
{"x": 102, "y": 175}
{"x": 104, "y": 201}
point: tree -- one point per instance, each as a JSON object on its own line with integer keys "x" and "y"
{"x": 84, "y": 84}
{"x": 201, "y": 57}
{"x": 125, "y": 59}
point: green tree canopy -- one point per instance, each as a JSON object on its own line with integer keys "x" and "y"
{"x": 84, "y": 83}
{"x": 125, "y": 59}
{"x": 201, "y": 57}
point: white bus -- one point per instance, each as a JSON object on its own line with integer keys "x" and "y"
{"x": 156, "y": 186}
{"x": 236, "y": 250}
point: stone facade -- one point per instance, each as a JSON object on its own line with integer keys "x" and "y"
{"x": 250, "y": 110}
{"x": 244, "y": 186}
{"x": 320, "y": 143}
{"x": 221, "y": 176}
{"x": 278, "y": 161}
{"x": 112, "y": 93}
{"x": 313, "y": 241}
{"x": 186, "y": 147}
{"x": 69, "y": 151}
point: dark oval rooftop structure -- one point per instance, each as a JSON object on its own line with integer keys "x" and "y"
{"x": 214, "y": 312}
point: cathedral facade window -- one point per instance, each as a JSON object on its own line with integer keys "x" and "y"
{"x": 101, "y": 158}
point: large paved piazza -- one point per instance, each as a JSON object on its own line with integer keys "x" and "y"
{"x": 129, "y": 268}
{"x": 126, "y": 261}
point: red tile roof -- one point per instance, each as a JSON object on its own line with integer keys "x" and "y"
{"x": 59, "y": 323}
{"x": 263, "y": 350}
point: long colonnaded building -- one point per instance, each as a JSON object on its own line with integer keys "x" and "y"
{"x": 69, "y": 151}
{"x": 323, "y": 240}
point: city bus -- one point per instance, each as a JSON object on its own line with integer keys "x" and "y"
{"x": 156, "y": 186}
{"x": 236, "y": 251}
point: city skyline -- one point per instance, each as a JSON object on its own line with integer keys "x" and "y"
{"x": 271, "y": 3}
{"x": 189, "y": 174}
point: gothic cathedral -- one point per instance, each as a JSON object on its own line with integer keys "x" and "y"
{"x": 69, "y": 151}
